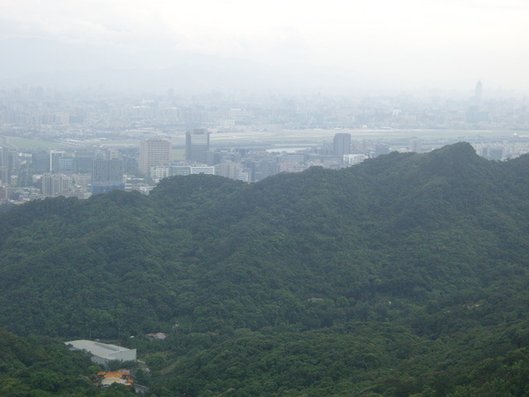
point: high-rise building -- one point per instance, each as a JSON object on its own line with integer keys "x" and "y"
{"x": 197, "y": 146}
{"x": 342, "y": 144}
{"x": 55, "y": 156}
{"x": 56, "y": 184}
{"x": 40, "y": 162}
{"x": 9, "y": 165}
{"x": 475, "y": 112}
{"x": 228, "y": 169}
{"x": 262, "y": 169}
{"x": 478, "y": 92}
{"x": 4, "y": 194}
{"x": 4, "y": 166}
{"x": 84, "y": 161}
{"x": 24, "y": 176}
{"x": 107, "y": 174}
{"x": 66, "y": 164}
{"x": 159, "y": 172}
{"x": 154, "y": 153}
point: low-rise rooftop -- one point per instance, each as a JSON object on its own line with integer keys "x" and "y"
{"x": 104, "y": 351}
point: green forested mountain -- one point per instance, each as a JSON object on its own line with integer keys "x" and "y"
{"x": 407, "y": 274}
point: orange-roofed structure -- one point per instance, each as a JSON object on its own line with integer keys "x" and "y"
{"x": 121, "y": 377}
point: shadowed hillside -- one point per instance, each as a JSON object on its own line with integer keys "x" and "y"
{"x": 405, "y": 274}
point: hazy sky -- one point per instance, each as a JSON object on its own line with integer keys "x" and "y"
{"x": 393, "y": 44}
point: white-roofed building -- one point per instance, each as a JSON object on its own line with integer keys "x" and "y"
{"x": 103, "y": 353}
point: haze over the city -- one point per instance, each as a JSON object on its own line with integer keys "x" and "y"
{"x": 273, "y": 46}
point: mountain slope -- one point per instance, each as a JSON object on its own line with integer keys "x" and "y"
{"x": 419, "y": 252}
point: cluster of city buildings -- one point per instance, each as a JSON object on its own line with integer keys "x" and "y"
{"x": 31, "y": 175}
{"x": 82, "y": 173}
{"x": 125, "y": 143}
{"x": 247, "y": 165}
{"x": 87, "y": 171}
{"x": 35, "y": 110}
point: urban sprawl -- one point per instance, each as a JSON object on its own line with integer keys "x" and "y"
{"x": 77, "y": 145}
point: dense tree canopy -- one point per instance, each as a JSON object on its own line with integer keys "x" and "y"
{"x": 405, "y": 275}
{"x": 42, "y": 367}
